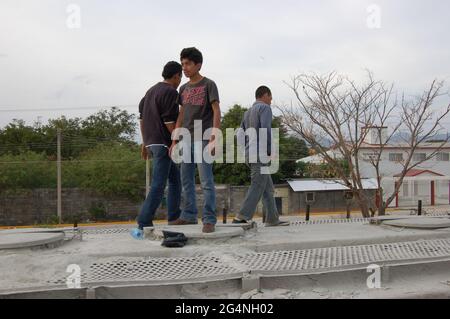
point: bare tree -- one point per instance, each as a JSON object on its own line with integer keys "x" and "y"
{"x": 334, "y": 109}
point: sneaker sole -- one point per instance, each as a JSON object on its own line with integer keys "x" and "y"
{"x": 277, "y": 225}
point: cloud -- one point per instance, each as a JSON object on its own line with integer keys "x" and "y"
{"x": 119, "y": 51}
{"x": 73, "y": 87}
{"x": 83, "y": 79}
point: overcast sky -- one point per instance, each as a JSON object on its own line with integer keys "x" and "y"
{"x": 119, "y": 49}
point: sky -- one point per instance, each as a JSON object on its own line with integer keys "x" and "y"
{"x": 54, "y": 61}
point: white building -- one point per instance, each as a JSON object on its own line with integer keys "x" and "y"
{"x": 429, "y": 181}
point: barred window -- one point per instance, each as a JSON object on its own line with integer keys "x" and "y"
{"x": 416, "y": 188}
{"x": 369, "y": 157}
{"x": 395, "y": 157}
{"x": 405, "y": 189}
{"x": 419, "y": 157}
{"x": 443, "y": 157}
{"x": 310, "y": 197}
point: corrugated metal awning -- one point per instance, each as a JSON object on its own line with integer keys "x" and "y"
{"x": 314, "y": 185}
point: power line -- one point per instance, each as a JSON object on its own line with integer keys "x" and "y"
{"x": 19, "y": 109}
{"x": 106, "y": 160}
{"x": 73, "y": 161}
{"x": 86, "y": 142}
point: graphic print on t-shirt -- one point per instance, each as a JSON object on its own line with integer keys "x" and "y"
{"x": 194, "y": 96}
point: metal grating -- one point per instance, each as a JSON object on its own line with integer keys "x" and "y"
{"x": 338, "y": 257}
{"x": 156, "y": 269}
{"x": 106, "y": 231}
{"x": 160, "y": 269}
{"x": 276, "y": 262}
{"x": 331, "y": 221}
{"x": 441, "y": 214}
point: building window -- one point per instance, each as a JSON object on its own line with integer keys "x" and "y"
{"x": 443, "y": 157}
{"x": 310, "y": 197}
{"x": 405, "y": 189}
{"x": 348, "y": 195}
{"x": 395, "y": 157}
{"x": 370, "y": 157}
{"x": 416, "y": 188}
{"x": 419, "y": 157}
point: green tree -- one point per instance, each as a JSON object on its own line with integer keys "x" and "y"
{"x": 111, "y": 168}
{"x": 17, "y": 138}
{"x": 231, "y": 173}
{"x": 26, "y": 170}
{"x": 113, "y": 124}
{"x": 291, "y": 150}
{"x": 323, "y": 170}
{"x": 78, "y": 135}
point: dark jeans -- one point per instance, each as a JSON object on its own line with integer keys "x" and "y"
{"x": 163, "y": 168}
{"x": 261, "y": 187}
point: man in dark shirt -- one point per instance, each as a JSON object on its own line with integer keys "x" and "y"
{"x": 199, "y": 100}
{"x": 159, "y": 111}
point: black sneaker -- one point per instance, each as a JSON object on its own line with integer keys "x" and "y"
{"x": 173, "y": 239}
{"x": 237, "y": 221}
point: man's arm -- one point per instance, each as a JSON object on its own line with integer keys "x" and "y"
{"x": 175, "y": 137}
{"x": 216, "y": 118}
{"x": 216, "y": 126}
{"x": 171, "y": 110}
{"x": 179, "y": 123}
{"x": 213, "y": 98}
{"x": 266, "y": 122}
{"x": 241, "y": 130}
{"x": 144, "y": 153}
{"x": 170, "y": 126}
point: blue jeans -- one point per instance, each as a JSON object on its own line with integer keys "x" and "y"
{"x": 163, "y": 168}
{"x": 205, "y": 171}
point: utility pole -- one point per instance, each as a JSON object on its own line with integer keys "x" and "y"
{"x": 58, "y": 165}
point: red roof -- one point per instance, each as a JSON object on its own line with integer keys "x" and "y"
{"x": 415, "y": 172}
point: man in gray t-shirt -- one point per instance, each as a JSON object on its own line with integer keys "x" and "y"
{"x": 259, "y": 117}
{"x": 196, "y": 100}
{"x": 199, "y": 100}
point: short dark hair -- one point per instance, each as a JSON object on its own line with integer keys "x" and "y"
{"x": 192, "y": 54}
{"x": 170, "y": 69}
{"x": 261, "y": 91}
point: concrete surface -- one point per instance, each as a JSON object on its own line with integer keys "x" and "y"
{"x": 381, "y": 219}
{"x": 28, "y": 270}
{"x": 430, "y": 280}
{"x": 195, "y": 232}
{"x": 35, "y": 230}
{"x": 25, "y": 240}
{"x": 423, "y": 223}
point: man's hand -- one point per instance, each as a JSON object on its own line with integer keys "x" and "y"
{"x": 212, "y": 146}
{"x": 216, "y": 127}
{"x": 144, "y": 152}
{"x": 172, "y": 146}
{"x": 274, "y": 157}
